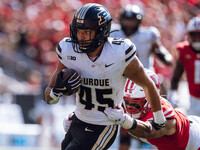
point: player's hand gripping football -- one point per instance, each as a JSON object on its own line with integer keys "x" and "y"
{"x": 68, "y": 82}
{"x": 67, "y": 122}
{"x": 68, "y": 85}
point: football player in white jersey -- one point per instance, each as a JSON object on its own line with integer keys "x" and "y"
{"x": 104, "y": 64}
{"x": 180, "y": 132}
{"x": 147, "y": 42}
{"x": 146, "y": 39}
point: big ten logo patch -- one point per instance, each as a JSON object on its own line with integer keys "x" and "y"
{"x": 71, "y": 57}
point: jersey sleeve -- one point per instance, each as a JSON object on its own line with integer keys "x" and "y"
{"x": 181, "y": 48}
{"x": 168, "y": 110}
{"x": 122, "y": 50}
{"x": 62, "y": 48}
{"x": 130, "y": 51}
{"x": 114, "y": 27}
{"x": 59, "y": 51}
{"x": 155, "y": 34}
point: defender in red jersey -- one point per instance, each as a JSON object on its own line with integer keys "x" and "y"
{"x": 180, "y": 132}
{"x": 189, "y": 62}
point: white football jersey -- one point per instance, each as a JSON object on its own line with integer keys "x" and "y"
{"x": 102, "y": 80}
{"x": 143, "y": 40}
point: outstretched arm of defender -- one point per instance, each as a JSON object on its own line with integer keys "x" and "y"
{"x": 136, "y": 73}
{"x": 146, "y": 130}
{"x": 137, "y": 127}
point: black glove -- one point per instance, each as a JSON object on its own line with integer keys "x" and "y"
{"x": 67, "y": 86}
{"x": 158, "y": 126}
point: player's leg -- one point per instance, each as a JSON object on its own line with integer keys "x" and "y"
{"x": 68, "y": 137}
{"x": 194, "y": 139}
{"x": 88, "y": 136}
{"x": 194, "y": 106}
{"x": 125, "y": 140}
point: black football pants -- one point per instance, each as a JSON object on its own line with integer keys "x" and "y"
{"x": 84, "y": 136}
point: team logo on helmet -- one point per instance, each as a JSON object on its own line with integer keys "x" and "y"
{"x": 102, "y": 15}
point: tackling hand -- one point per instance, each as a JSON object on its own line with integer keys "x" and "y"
{"x": 67, "y": 122}
{"x": 115, "y": 115}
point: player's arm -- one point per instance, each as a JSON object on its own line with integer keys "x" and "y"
{"x": 145, "y": 129}
{"x": 162, "y": 53}
{"x": 52, "y": 82}
{"x": 136, "y": 73}
{"x": 178, "y": 72}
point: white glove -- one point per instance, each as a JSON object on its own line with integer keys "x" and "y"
{"x": 116, "y": 115}
{"x": 67, "y": 122}
{"x": 173, "y": 98}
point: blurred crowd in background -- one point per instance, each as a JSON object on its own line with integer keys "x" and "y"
{"x": 31, "y": 29}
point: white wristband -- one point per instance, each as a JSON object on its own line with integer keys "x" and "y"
{"x": 128, "y": 122}
{"x": 159, "y": 117}
{"x": 55, "y": 98}
{"x": 53, "y": 101}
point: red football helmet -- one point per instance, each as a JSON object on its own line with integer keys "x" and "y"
{"x": 193, "y": 30}
{"x": 134, "y": 97}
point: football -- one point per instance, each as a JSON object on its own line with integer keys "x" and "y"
{"x": 73, "y": 80}
{"x": 67, "y": 72}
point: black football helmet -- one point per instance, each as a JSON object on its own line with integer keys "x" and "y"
{"x": 132, "y": 13}
{"x": 91, "y": 16}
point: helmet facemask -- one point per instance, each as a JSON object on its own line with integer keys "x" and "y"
{"x": 135, "y": 100}
{"x": 136, "y": 107}
{"x": 82, "y": 45}
{"x": 87, "y": 46}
